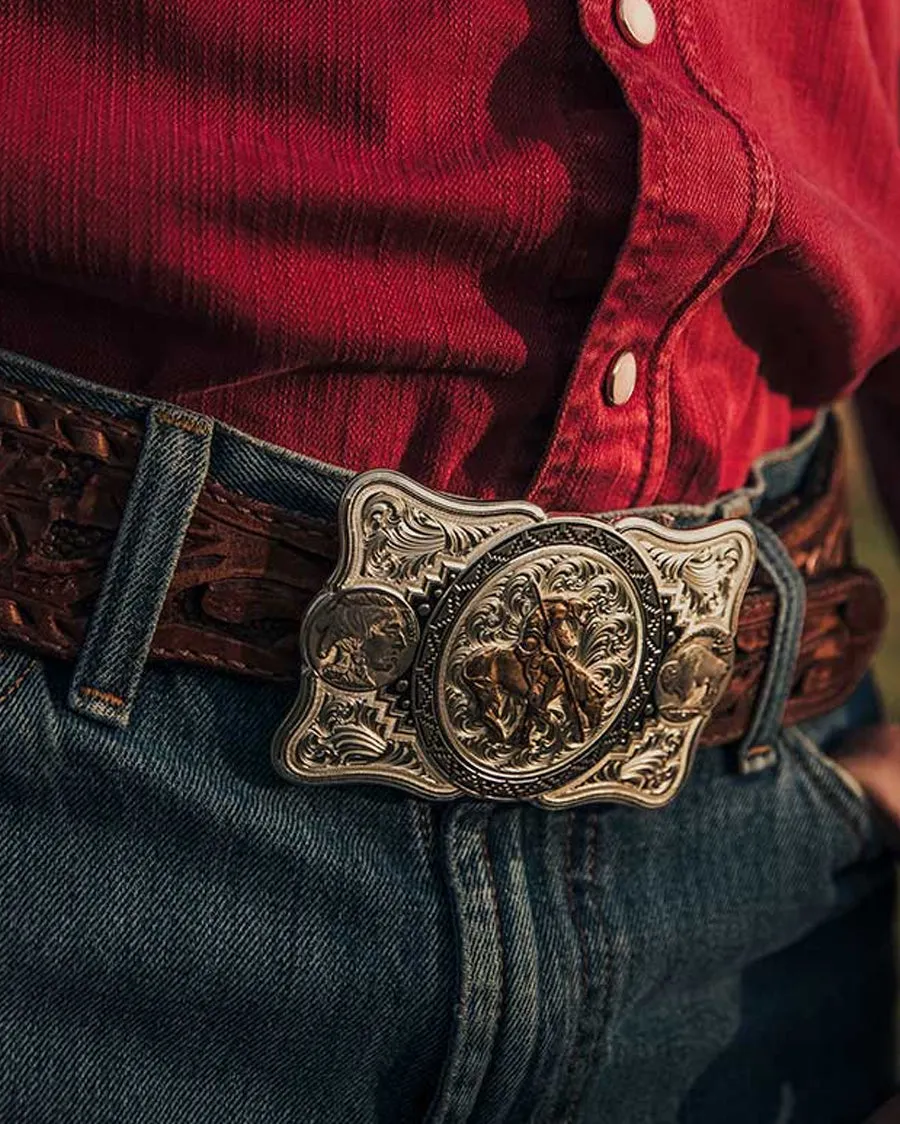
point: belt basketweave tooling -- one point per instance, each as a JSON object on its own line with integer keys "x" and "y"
{"x": 441, "y": 645}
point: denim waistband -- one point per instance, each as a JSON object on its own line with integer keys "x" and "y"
{"x": 182, "y": 449}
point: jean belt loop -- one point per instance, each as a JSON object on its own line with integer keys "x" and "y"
{"x": 171, "y": 470}
{"x": 755, "y": 751}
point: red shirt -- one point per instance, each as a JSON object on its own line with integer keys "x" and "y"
{"x": 419, "y": 235}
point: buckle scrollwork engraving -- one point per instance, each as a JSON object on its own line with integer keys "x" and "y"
{"x": 464, "y": 648}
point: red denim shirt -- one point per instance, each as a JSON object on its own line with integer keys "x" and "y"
{"x": 420, "y": 235}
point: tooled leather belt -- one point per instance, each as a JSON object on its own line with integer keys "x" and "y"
{"x": 248, "y": 571}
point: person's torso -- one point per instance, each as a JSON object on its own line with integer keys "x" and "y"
{"x": 421, "y": 236}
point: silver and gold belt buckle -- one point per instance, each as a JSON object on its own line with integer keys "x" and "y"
{"x": 487, "y": 650}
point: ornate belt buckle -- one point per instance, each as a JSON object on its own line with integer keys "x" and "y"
{"x": 486, "y": 650}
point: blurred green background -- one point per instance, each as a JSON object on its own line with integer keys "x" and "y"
{"x": 876, "y": 547}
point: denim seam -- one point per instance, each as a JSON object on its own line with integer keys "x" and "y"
{"x": 13, "y": 687}
{"x": 423, "y": 829}
{"x": 573, "y": 910}
{"x": 498, "y": 929}
{"x": 457, "y": 1085}
{"x": 572, "y": 1081}
{"x": 605, "y": 967}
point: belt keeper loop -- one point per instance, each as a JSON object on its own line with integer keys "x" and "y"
{"x": 170, "y": 474}
{"x": 755, "y": 751}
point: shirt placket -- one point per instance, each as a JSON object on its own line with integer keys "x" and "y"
{"x": 705, "y": 199}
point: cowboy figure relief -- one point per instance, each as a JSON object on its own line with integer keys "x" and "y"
{"x": 516, "y": 687}
{"x": 560, "y": 646}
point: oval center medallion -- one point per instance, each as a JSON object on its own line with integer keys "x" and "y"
{"x": 533, "y": 655}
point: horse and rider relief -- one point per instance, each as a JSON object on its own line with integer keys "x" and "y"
{"x": 544, "y": 661}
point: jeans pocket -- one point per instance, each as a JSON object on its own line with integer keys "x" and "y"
{"x": 811, "y": 746}
{"x": 839, "y": 790}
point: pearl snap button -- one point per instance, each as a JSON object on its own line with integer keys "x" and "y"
{"x": 637, "y": 21}
{"x": 620, "y": 379}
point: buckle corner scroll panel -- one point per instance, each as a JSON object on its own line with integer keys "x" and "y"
{"x": 480, "y": 649}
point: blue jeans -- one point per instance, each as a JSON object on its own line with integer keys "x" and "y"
{"x": 186, "y": 938}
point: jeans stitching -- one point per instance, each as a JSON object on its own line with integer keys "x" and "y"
{"x": 495, "y": 910}
{"x": 18, "y": 681}
{"x": 101, "y": 696}
{"x": 186, "y": 424}
{"x": 606, "y": 955}
{"x": 423, "y": 830}
{"x": 572, "y": 1082}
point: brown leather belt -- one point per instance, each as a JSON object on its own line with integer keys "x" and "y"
{"x": 248, "y": 570}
